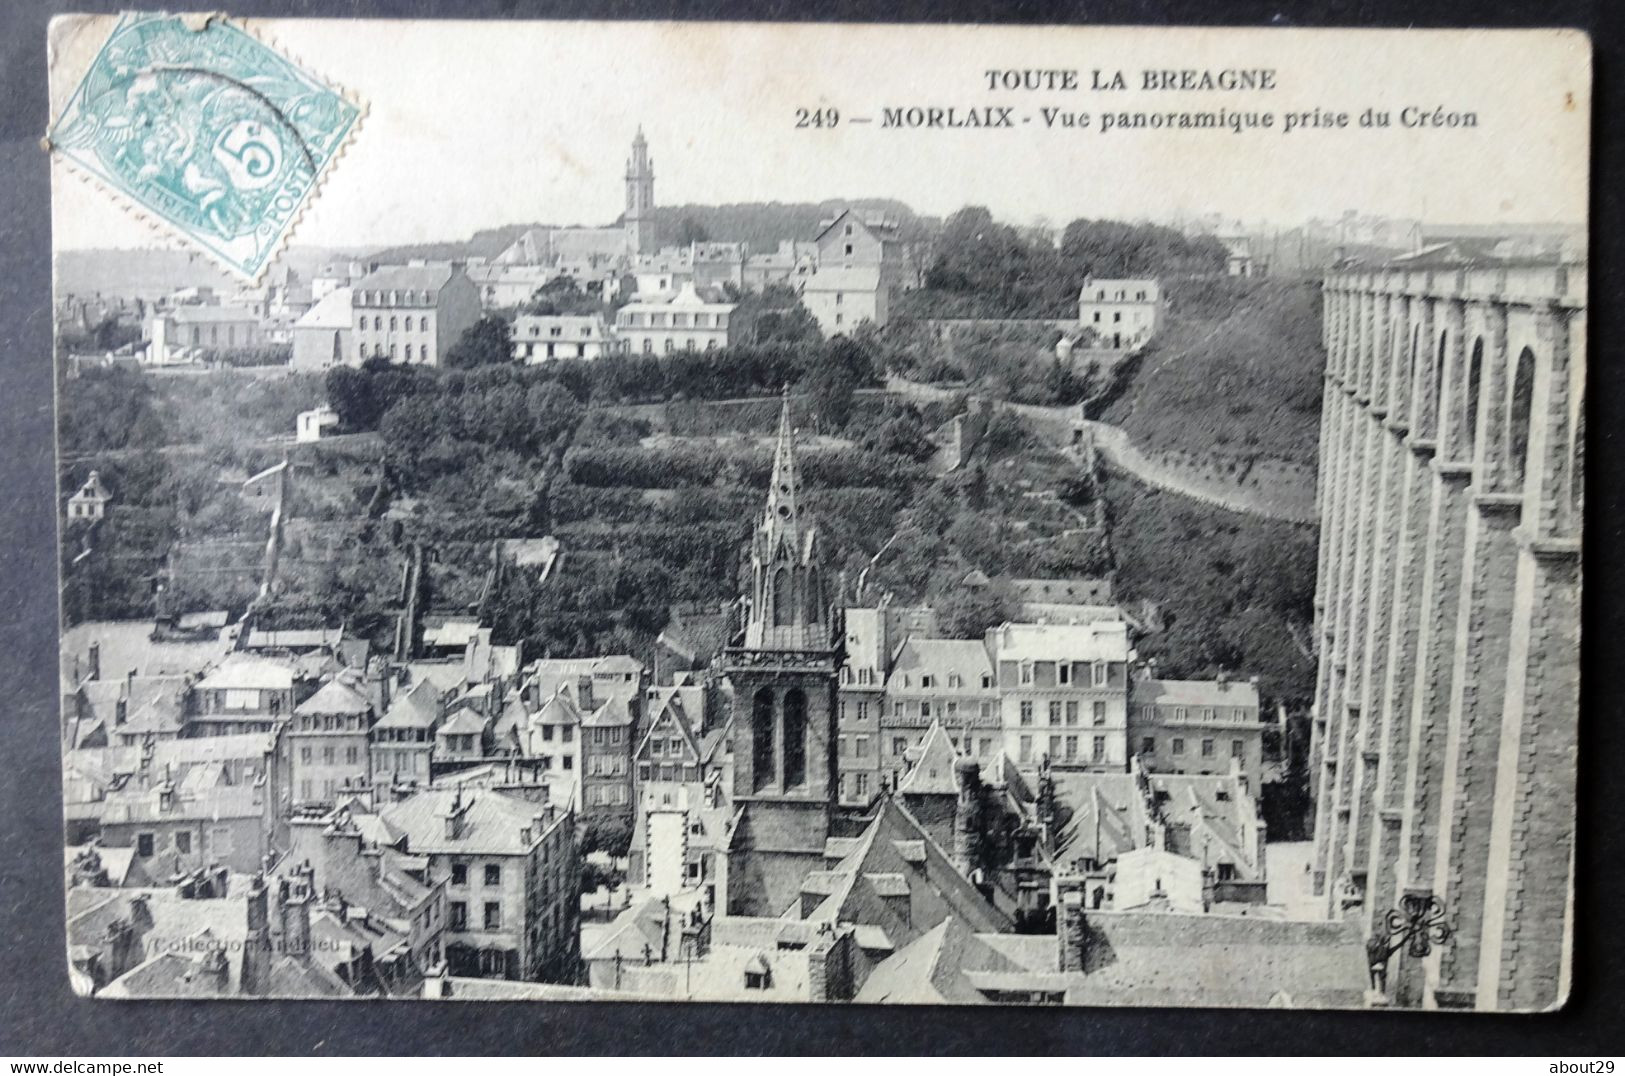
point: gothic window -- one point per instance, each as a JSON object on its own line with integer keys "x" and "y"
{"x": 1518, "y": 416}
{"x": 761, "y": 746}
{"x": 795, "y": 738}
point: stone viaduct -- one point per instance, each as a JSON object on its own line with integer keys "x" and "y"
{"x": 1448, "y": 607}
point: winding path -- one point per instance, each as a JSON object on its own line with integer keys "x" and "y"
{"x": 1055, "y": 424}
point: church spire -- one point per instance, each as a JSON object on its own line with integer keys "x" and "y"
{"x": 783, "y": 517}
{"x": 787, "y": 599}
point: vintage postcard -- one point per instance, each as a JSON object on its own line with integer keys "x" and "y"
{"x": 877, "y": 514}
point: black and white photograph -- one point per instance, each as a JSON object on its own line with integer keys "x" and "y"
{"x": 883, "y": 515}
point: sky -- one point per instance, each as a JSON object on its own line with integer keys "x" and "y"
{"x": 474, "y": 125}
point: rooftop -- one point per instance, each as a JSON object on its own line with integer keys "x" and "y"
{"x": 1196, "y": 692}
{"x": 1102, "y": 640}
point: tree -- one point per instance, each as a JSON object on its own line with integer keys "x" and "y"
{"x": 610, "y": 834}
{"x": 690, "y": 230}
{"x": 968, "y": 612}
{"x": 484, "y": 343}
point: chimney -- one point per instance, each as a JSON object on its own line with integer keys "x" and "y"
{"x": 584, "y": 699}
{"x": 95, "y": 660}
{"x": 456, "y": 815}
{"x": 296, "y": 911}
{"x": 140, "y": 911}
{"x": 218, "y": 968}
{"x": 967, "y": 840}
{"x": 1072, "y": 933}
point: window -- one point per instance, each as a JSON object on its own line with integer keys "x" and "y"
{"x": 1099, "y": 674}
{"x": 1026, "y": 673}
{"x": 860, "y": 784}
{"x": 459, "y": 874}
{"x": 392, "y": 323}
{"x": 459, "y": 915}
{"x": 927, "y": 681}
{"x": 987, "y": 681}
{"x": 954, "y": 681}
{"x": 925, "y": 708}
{"x": 1072, "y": 712}
{"x": 860, "y": 746}
{"x": 143, "y": 845}
{"x": 1148, "y": 745}
{"x": 1207, "y": 748}
{"x": 1026, "y": 713}
{"x": 1100, "y": 749}
{"x": 1054, "y": 747}
{"x": 1026, "y": 749}
{"x": 1071, "y": 748}
{"x": 493, "y": 874}
{"x": 1099, "y": 715}
{"x": 899, "y": 744}
{"x": 493, "y": 915}
{"x": 1179, "y": 745}
{"x": 987, "y": 709}
{"x": 1063, "y": 673}
{"x": 307, "y": 755}
{"x": 1237, "y": 749}
{"x": 352, "y": 754}
{"x": 1054, "y": 712}
{"x": 757, "y": 980}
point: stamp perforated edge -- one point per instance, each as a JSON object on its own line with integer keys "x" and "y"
{"x": 162, "y": 228}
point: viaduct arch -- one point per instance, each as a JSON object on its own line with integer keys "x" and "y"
{"x": 1447, "y": 699}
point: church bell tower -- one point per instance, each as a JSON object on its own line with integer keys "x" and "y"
{"x": 640, "y": 199}
{"x": 783, "y": 671}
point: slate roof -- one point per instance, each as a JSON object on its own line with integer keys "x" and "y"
{"x": 937, "y": 658}
{"x": 429, "y": 278}
{"x": 933, "y": 774}
{"x": 1234, "y": 693}
{"x": 332, "y": 311}
{"x": 337, "y": 696}
{"x": 418, "y": 707}
{"x": 492, "y": 825}
{"x": 1098, "y": 641}
{"x": 464, "y": 722}
{"x": 242, "y": 671}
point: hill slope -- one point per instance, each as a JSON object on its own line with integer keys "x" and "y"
{"x": 1237, "y": 371}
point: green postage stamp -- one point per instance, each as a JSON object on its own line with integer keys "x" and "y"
{"x": 206, "y": 128}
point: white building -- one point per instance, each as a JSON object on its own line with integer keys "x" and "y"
{"x": 539, "y": 338}
{"x": 840, "y": 298}
{"x": 412, "y": 313}
{"x": 1063, "y": 692}
{"x": 90, "y": 503}
{"x": 685, "y": 322}
{"x": 323, "y": 336}
{"x": 185, "y": 334}
{"x": 311, "y": 425}
{"x": 1125, "y": 314}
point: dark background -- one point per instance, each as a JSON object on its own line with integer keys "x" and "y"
{"x": 39, "y": 1016}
